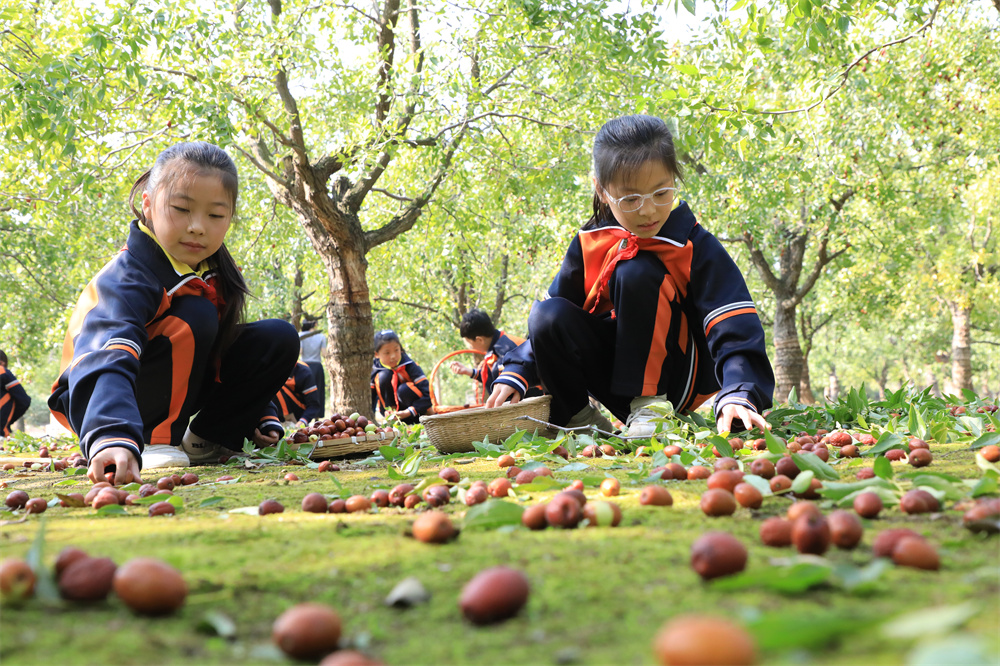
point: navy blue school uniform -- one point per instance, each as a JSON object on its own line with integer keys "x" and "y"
{"x": 139, "y": 361}
{"x": 14, "y": 401}
{"x": 300, "y": 395}
{"x": 490, "y": 367}
{"x": 404, "y": 388}
{"x": 626, "y": 317}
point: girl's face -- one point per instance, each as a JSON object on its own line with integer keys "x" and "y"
{"x": 647, "y": 221}
{"x": 190, "y": 216}
{"x": 389, "y": 354}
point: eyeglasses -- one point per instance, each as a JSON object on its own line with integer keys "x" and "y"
{"x": 633, "y": 202}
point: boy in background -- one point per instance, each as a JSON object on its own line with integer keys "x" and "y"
{"x": 479, "y": 334}
{"x": 14, "y": 400}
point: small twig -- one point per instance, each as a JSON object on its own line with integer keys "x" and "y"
{"x": 590, "y": 428}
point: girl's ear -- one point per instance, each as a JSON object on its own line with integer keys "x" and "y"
{"x": 599, "y": 190}
{"x": 147, "y": 207}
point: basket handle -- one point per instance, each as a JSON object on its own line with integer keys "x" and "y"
{"x": 434, "y": 400}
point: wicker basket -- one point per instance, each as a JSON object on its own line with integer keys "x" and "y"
{"x": 455, "y": 432}
{"x": 447, "y": 409}
{"x": 333, "y": 448}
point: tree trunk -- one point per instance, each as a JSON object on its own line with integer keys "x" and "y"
{"x": 833, "y": 386}
{"x": 349, "y": 350}
{"x": 297, "y": 300}
{"x": 805, "y": 383}
{"x": 787, "y": 352}
{"x": 961, "y": 346}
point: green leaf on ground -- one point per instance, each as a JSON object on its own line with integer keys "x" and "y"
{"x": 883, "y": 468}
{"x": 210, "y": 501}
{"x": 960, "y": 650}
{"x": 792, "y": 579}
{"x": 813, "y": 463}
{"x": 888, "y": 440}
{"x": 801, "y": 483}
{"x": 937, "y": 620}
{"x": 541, "y": 484}
{"x": 112, "y": 510}
{"x": 774, "y": 445}
{"x": 218, "y": 623}
{"x": 492, "y": 514}
{"x": 787, "y": 630}
{"x": 987, "y": 439}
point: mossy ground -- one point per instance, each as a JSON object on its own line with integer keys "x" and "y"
{"x": 598, "y": 595}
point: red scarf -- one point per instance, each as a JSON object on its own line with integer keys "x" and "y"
{"x": 628, "y": 248}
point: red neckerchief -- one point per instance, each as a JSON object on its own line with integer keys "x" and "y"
{"x": 628, "y": 248}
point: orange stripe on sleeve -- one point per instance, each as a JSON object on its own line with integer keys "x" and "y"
{"x": 727, "y": 315}
{"x": 124, "y": 348}
{"x": 514, "y": 374}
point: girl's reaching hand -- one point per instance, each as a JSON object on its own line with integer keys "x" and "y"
{"x": 126, "y": 466}
{"x": 500, "y": 394}
{"x": 750, "y": 418}
{"x": 261, "y": 440}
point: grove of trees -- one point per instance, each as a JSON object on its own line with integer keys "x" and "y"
{"x": 404, "y": 162}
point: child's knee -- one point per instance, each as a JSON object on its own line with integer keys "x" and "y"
{"x": 199, "y": 314}
{"x": 549, "y": 315}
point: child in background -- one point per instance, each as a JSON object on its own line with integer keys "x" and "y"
{"x": 479, "y": 334}
{"x": 298, "y": 399}
{"x": 157, "y": 335}
{"x": 397, "y": 382}
{"x": 312, "y": 343}
{"x": 647, "y": 305}
{"x": 14, "y": 400}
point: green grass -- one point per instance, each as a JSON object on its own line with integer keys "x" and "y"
{"x": 598, "y": 596}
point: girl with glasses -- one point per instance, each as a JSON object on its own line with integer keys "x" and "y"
{"x": 647, "y": 306}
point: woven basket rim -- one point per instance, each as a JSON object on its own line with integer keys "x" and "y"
{"x": 345, "y": 446}
{"x": 455, "y": 432}
{"x": 472, "y": 413}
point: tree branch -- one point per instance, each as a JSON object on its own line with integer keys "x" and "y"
{"x": 761, "y": 264}
{"x": 48, "y": 294}
{"x": 298, "y": 143}
{"x": 386, "y": 52}
{"x": 405, "y": 220}
{"x": 419, "y": 306}
{"x": 843, "y": 75}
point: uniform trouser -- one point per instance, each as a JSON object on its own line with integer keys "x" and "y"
{"x": 404, "y": 399}
{"x": 319, "y": 375}
{"x": 10, "y": 412}
{"x": 643, "y": 351}
{"x": 229, "y": 398}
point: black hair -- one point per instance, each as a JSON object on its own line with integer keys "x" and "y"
{"x": 621, "y": 147}
{"x": 3, "y": 358}
{"x": 383, "y": 337}
{"x": 199, "y": 157}
{"x": 475, "y": 323}
{"x": 308, "y": 324}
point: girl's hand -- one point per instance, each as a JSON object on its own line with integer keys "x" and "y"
{"x": 749, "y": 417}
{"x": 261, "y": 440}
{"x": 460, "y": 368}
{"x": 126, "y": 466}
{"x": 500, "y": 394}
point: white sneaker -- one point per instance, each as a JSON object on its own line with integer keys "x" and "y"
{"x": 155, "y": 456}
{"x": 639, "y": 423}
{"x": 200, "y": 451}
{"x": 591, "y": 416}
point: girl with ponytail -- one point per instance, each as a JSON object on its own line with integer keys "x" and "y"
{"x": 158, "y": 336}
